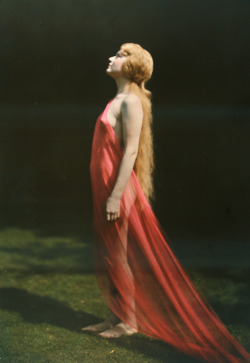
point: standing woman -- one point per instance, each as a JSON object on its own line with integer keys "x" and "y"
{"x": 142, "y": 281}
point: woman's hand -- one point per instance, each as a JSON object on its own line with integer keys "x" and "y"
{"x": 112, "y": 209}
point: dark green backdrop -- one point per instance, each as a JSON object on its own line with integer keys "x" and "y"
{"x": 53, "y": 86}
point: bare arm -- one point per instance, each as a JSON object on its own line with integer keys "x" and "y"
{"x": 132, "y": 116}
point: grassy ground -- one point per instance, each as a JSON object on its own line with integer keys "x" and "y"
{"x": 48, "y": 292}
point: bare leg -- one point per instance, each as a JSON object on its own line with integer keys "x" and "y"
{"x": 122, "y": 328}
{"x": 112, "y": 326}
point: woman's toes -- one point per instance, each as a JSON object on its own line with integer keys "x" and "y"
{"x": 90, "y": 328}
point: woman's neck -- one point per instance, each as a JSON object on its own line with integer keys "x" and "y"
{"x": 123, "y": 85}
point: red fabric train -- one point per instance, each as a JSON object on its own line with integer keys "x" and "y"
{"x": 138, "y": 274}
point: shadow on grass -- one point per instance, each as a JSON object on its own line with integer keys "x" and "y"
{"x": 37, "y": 309}
{"x": 153, "y": 348}
{"x": 235, "y": 312}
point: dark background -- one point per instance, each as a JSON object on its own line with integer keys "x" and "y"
{"x": 53, "y": 58}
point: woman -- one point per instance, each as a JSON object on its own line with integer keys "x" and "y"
{"x": 142, "y": 281}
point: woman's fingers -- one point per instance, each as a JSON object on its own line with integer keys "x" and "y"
{"x": 108, "y": 215}
{"x": 112, "y": 209}
{"x": 112, "y": 216}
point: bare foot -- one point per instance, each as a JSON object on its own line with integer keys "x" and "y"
{"x": 117, "y": 331}
{"x": 110, "y": 322}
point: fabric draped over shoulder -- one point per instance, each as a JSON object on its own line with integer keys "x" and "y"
{"x": 139, "y": 276}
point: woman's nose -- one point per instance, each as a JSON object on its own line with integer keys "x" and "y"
{"x": 110, "y": 58}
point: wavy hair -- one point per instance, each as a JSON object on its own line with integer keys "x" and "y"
{"x": 138, "y": 68}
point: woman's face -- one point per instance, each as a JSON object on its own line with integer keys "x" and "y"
{"x": 115, "y": 64}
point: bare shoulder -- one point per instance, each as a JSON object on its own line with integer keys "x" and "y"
{"x": 131, "y": 103}
{"x": 132, "y": 118}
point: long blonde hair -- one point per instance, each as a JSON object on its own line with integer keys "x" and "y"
{"x": 138, "y": 68}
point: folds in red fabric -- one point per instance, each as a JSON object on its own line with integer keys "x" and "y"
{"x": 139, "y": 275}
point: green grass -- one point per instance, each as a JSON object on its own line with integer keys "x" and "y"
{"x": 49, "y": 291}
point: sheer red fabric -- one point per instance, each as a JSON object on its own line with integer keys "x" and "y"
{"x": 138, "y": 274}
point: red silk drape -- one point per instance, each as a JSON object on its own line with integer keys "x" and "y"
{"x": 138, "y": 274}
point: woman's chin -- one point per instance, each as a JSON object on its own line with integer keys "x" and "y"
{"x": 109, "y": 72}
